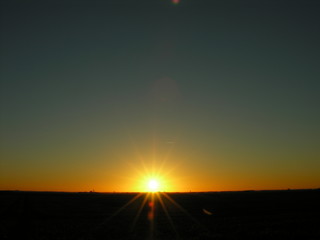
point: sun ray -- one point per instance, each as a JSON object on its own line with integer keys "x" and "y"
{"x": 151, "y": 216}
{"x": 167, "y": 214}
{"x": 169, "y": 171}
{"x": 135, "y": 220}
{"x": 143, "y": 165}
{"x": 139, "y": 172}
{"x": 138, "y": 154}
{"x": 164, "y": 160}
{"x": 154, "y": 154}
{"x": 182, "y": 209}
{"x": 123, "y": 207}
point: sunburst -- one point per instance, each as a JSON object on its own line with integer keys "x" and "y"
{"x": 153, "y": 185}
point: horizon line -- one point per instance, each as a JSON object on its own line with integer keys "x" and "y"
{"x": 137, "y": 192}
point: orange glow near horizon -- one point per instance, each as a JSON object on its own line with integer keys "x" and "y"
{"x": 152, "y": 168}
{"x": 159, "y": 168}
{"x": 152, "y": 183}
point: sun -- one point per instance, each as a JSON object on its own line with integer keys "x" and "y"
{"x": 153, "y": 176}
{"x": 153, "y": 185}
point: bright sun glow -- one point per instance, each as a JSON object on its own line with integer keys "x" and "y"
{"x": 153, "y": 185}
{"x": 153, "y": 176}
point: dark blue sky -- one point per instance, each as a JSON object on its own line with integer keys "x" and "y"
{"x": 234, "y": 84}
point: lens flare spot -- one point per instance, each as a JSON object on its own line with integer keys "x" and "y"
{"x": 175, "y": 2}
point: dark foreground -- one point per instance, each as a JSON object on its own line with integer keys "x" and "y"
{"x": 293, "y": 214}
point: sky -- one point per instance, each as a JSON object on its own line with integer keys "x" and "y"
{"x": 203, "y": 95}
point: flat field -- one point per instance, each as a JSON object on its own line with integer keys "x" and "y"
{"x": 291, "y": 214}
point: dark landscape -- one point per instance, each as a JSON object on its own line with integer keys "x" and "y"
{"x": 287, "y": 214}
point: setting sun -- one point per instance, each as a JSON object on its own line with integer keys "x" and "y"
{"x": 154, "y": 175}
{"x": 153, "y": 185}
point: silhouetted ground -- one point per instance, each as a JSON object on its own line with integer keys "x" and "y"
{"x": 288, "y": 214}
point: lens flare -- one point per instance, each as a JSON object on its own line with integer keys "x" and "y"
{"x": 175, "y": 2}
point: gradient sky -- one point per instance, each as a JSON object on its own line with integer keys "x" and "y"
{"x": 212, "y": 94}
